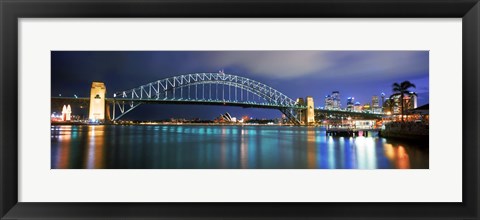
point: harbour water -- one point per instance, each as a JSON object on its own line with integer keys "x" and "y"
{"x": 226, "y": 147}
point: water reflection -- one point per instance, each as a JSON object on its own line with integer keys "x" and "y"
{"x": 94, "y": 156}
{"x": 311, "y": 148}
{"x": 64, "y": 151}
{"x": 398, "y": 156}
{"x": 226, "y": 147}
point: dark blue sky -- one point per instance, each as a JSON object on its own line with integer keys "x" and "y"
{"x": 360, "y": 74}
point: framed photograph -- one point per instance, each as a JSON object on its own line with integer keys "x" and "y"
{"x": 226, "y": 109}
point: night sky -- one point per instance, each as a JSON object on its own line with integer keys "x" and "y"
{"x": 360, "y": 74}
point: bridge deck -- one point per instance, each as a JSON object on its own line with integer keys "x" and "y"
{"x": 206, "y": 102}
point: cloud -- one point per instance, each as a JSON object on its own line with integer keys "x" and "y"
{"x": 386, "y": 64}
{"x": 282, "y": 64}
{"x": 322, "y": 64}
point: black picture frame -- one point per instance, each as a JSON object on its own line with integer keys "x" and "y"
{"x": 12, "y": 10}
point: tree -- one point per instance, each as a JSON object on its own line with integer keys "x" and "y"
{"x": 400, "y": 90}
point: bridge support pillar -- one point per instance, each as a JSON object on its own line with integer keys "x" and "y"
{"x": 97, "y": 102}
{"x": 113, "y": 112}
{"x": 307, "y": 115}
{"x": 310, "y": 111}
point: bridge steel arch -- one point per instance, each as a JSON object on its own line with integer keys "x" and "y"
{"x": 191, "y": 89}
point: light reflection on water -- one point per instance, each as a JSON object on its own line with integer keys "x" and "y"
{"x": 226, "y": 147}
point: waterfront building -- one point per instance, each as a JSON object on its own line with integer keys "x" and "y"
{"x": 66, "y": 113}
{"x": 364, "y": 124}
{"x": 409, "y": 102}
{"x": 227, "y": 117}
{"x": 396, "y": 105}
{"x": 97, "y": 101}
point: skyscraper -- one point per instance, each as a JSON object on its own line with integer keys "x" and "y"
{"x": 350, "y": 103}
{"x": 337, "y": 105}
{"x": 328, "y": 102}
{"x": 375, "y": 102}
{"x": 383, "y": 102}
{"x": 376, "y": 105}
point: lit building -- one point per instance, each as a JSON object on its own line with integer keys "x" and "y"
{"x": 376, "y": 107}
{"x": 367, "y": 107}
{"x": 225, "y": 118}
{"x": 409, "y": 102}
{"x": 66, "y": 113}
{"x": 97, "y": 101}
{"x": 328, "y": 102}
{"x": 357, "y": 107}
{"x": 388, "y": 106}
{"x": 350, "y": 103}
{"x": 69, "y": 113}
{"x": 364, "y": 124}
{"x": 375, "y": 102}
{"x": 383, "y": 99}
{"x": 337, "y": 105}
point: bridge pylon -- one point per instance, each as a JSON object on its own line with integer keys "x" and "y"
{"x": 306, "y": 115}
{"x": 97, "y": 108}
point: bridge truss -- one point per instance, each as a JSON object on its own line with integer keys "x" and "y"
{"x": 208, "y": 89}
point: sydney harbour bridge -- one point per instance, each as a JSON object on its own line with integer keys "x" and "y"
{"x": 220, "y": 89}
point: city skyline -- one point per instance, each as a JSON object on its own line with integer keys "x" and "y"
{"x": 359, "y": 74}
